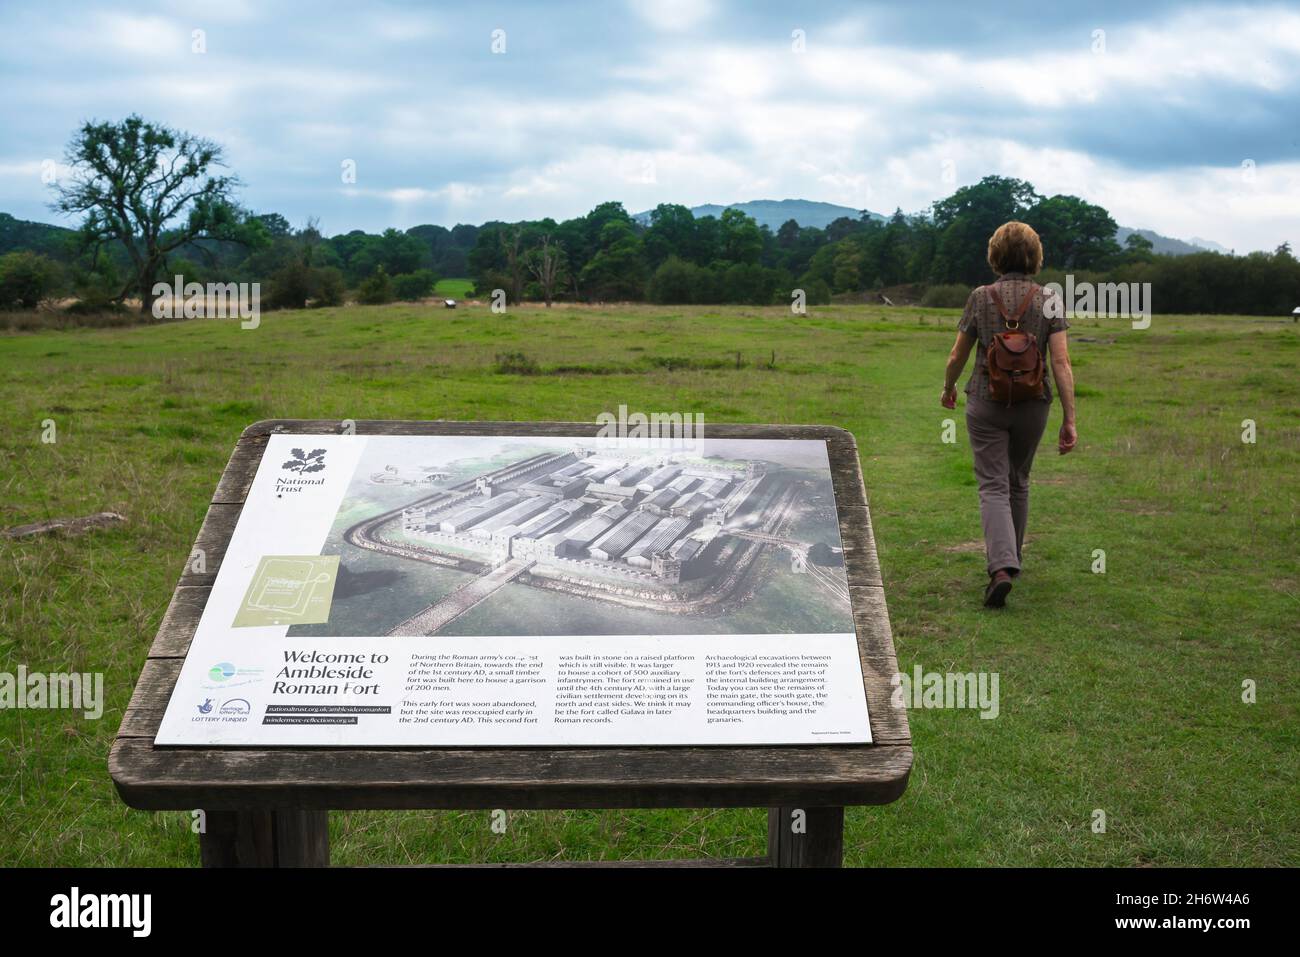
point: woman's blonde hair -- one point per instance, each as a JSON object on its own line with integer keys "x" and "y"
{"x": 1015, "y": 247}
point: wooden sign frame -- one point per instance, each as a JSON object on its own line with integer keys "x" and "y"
{"x": 270, "y": 806}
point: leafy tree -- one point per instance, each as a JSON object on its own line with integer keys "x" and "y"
{"x": 1137, "y": 248}
{"x": 328, "y": 287}
{"x": 847, "y": 275}
{"x": 376, "y": 289}
{"x": 445, "y": 248}
{"x": 967, "y": 219}
{"x": 96, "y": 286}
{"x": 674, "y": 282}
{"x": 924, "y": 240}
{"x": 393, "y": 249}
{"x": 26, "y": 279}
{"x": 1075, "y": 234}
{"x": 817, "y": 292}
{"x": 893, "y": 245}
{"x": 290, "y": 286}
{"x": 754, "y": 285}
{"x": 346, "y": 246}
{"x": 672, "y": 233}
{"x": 740, "y": 238}
{"x": 152, "y": 189}
{"x": 617, "y": 270}
{"x": 413, "y": 286}
{"x": 794, "y": 246}
{"x": 486, "y": 261}
{"x": 274, "y": 225}
{"x": 843, "y": 228}
{"x": 822, "y": 265}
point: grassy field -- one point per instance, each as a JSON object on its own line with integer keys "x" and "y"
{"x": 453, "y": 288}
{"x": 1119, "y": 691}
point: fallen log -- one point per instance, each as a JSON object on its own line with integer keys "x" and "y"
{"x": 66, "y": 526}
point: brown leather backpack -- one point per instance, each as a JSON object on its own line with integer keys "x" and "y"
{"x": 1015, "y": 362}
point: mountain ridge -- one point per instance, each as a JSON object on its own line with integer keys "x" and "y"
{"x": 774, "y": 212}
{"x": 49, "y": 238}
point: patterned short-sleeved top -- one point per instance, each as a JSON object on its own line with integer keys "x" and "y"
{"x": 981, "y": 321}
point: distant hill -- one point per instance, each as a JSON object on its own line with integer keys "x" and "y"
{"x": 53, "y": 241}
{"x": 57, "y": 242}
{"x": 1209, "y": 244}
{"x": 1167, "y": 245}
{"x": 773, "y": 213}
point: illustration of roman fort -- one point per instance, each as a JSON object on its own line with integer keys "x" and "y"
{"x": 669, "y": 531}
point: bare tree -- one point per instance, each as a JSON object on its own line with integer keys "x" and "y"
{"x": 545, "y": 263}
{"x": 310, "y": 238}
{"x": 512, "y": 244}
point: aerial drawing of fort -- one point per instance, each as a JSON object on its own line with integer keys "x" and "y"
{"x": 575, "y": 538}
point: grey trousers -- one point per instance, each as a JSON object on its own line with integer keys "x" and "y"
{"x": 1004, "y": 440}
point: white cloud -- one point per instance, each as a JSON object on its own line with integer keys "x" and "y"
{"x": 677, "y": 104}
{"x": 673, "y": 15}
{"x": 140, "y": 36}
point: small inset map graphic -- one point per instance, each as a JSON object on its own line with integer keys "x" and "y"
{"x": 289, "y": 590}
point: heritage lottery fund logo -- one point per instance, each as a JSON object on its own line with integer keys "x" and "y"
{"x": 231, "y": 711}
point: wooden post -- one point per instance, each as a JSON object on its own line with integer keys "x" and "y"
{"x": 805, "y": 837}
{"x": 265, "y": 839}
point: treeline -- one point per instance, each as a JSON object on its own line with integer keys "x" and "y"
{"x": 296, "y": 267}
{"x": 675, "y": 257}
{"x": 678, "y": 258}
{"x": 303, "y": 268}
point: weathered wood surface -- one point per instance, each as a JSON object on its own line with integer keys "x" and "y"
{"x": 693, "y": 862}
{"x": 322, "y": 778}
{"x": 264, "y": 838}
{"x": 512, "y": 778}
{"x": 805, "y": 836}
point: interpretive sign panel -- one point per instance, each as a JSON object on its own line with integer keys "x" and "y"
{"x": 463, "y": 590}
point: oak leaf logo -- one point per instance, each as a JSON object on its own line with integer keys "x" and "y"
{"x": 305, "y": 463}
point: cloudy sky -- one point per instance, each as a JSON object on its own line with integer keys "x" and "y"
{"x": 1181, "y": 118}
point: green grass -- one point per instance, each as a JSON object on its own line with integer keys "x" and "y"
{"x": 1119, "y": 691}
{"x": 453, "y": 288}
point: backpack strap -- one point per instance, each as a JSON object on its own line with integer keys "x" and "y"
{"x": 997, "y": 301}
{"x": 1020, "y": 310}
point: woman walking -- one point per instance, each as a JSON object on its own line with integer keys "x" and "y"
{"x": 1017, "y": 324}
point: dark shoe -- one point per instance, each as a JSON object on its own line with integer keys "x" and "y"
{"x": 995, "y": 595}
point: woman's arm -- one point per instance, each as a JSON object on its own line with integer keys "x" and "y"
{"x": 956, "y": 362}
{"x": 1063, "y": 373}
